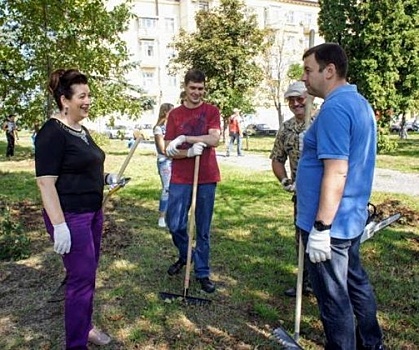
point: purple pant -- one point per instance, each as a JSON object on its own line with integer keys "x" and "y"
{"x": 81, "y": 264}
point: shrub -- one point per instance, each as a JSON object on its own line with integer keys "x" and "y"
{"x": 14, "y": 244}
{"x": 384, "y": 143}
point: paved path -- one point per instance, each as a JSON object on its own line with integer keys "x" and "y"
{"x": 385, "y": 180}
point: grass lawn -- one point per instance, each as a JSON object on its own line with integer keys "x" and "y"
{"x": 253, "y": 261}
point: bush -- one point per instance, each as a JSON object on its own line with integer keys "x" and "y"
{"x": 384, "y": 144}
{"x": 14, "y": 244}
{"x": 99, "y": 138}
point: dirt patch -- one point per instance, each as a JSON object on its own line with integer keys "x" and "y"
{"x": 390, "y": 207}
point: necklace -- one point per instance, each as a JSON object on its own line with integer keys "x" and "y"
{"x": 80, "y": 134}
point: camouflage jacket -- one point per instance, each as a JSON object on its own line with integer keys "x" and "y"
{"x": 286, "y": 144}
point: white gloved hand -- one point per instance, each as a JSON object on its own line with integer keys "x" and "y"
{"x": 288, "y": 185}
{"x": 62, "y": 239}
{"x": 171, "y": 149}
{"x": 318, "y": 246}
{"x": 301, "y": 141}
{"x": 111, "y": 179}
{"x": 196, "y": 149}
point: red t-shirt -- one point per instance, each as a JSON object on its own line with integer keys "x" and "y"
{"x": 234, "y": 126}
{"x": 194, "y": 122}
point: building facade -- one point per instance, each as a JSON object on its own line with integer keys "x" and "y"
{"x": 157, "y": 22}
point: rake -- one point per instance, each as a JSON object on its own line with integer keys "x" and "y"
{"x": 185, "y": 297}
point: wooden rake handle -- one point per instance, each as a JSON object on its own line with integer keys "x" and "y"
{"x": 122, "y": 170}
{"x": 191, "y": 226}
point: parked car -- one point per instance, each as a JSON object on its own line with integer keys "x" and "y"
{"x": 119, "y": 132}
{"x": 410, "y": 126}
{"x": 259, "y": 129}
{"x": 145, "y": 131}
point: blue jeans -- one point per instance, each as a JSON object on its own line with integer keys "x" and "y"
{"x": 234, "y": 137}
{"x": 343, "y": 291}
{"x": 165, "y": 171}
{"x": 180, "y": 197}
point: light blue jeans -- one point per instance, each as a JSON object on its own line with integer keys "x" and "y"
{"x": 343, "y": 291}
{"x": 234, "y": 137}
{"x": 180, "y": 198}
{"x": 164, "y": 168}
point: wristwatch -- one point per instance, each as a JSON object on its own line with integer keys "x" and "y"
{"x": 321, "y": 226}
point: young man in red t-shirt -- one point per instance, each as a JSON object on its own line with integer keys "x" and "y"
{"x": 193, "y": 129}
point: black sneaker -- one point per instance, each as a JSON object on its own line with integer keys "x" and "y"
{"x": 176, "y": 267}
{"x": 206, "y": 284}
{"x": 292, "y": 292}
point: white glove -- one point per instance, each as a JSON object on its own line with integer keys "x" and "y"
{"x": 171, "y": 149}
{"x": 196, "y": 149}
{"x": 111, "y": 179}
{"x": 301, "y": 141}
{"x": 318, "y": 246}
{"x": 288, "y": 185}
{"x": 62, "y": 239}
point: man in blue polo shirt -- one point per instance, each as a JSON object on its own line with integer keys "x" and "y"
{"x": 334, "y": 182}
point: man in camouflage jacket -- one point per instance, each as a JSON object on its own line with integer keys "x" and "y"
{"x": 286, "y": 146}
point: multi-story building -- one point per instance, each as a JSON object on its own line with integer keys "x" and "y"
{"x": 157, "y": 22}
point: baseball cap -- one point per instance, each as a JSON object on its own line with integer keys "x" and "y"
{"x": 296, "y": 89}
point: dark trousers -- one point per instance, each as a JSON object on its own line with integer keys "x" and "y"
{"x": 10, "y": 151}
{"x": 81, "y": 264}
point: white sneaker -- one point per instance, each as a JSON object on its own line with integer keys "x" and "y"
{"x": 162, "y": 222}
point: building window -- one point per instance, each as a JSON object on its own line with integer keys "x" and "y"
{"x": 290, "y": 17}
{"x": 169, "y": 25}
{"x": 147, "y": 48}
{"x": 203, "y": 5}
{"x": 172, "y": 81}
{"x": 148, "y": 79}
{"x": 147, "y": 23}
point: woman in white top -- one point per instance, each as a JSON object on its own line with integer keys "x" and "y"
{"x": 164, "y": 163}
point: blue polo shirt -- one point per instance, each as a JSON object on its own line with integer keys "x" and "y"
{"x": 345, "y": 129}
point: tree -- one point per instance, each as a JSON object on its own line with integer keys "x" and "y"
{"x": 38, "y": 36}
{"x": 277, "y": 63}
{"x": 381, "y": 39}
{"x": 225, "y": 46}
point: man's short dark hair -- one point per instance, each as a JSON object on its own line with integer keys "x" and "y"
{"x": 194, "y": 75}
{"x": 328, "y": 53}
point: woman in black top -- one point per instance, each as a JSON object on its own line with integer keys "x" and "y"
{"x": 70, "y": 176}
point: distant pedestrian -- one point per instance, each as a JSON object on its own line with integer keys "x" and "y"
{"x": 9, "y": 126}
{"x": 334, "y": 181}
{"x": 164, "y": 163}
{"x": 235, "y": 132}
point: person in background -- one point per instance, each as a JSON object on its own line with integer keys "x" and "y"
{"x": 10, "y": 128}
{"x": 286, "y": 146}
{"x": 235, "y": 132}
{"x": 69, "y": 174}
{"x": 334, "y": 182}
{"x": 164, "y": 163}
{"x": 193, "y": 129}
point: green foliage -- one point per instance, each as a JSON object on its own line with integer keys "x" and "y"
{"x": 99, "y": 138}
{"x": 381, "y": 40}
{"x": 14, "y": 244}
{"x": 41, "y": 36}
{"x": 384, "y": 143}
{"x": 295, "y": 71}
{"x": 225, "y": 46}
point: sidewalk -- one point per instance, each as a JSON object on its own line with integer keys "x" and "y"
{"x": 385, "y": 180}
